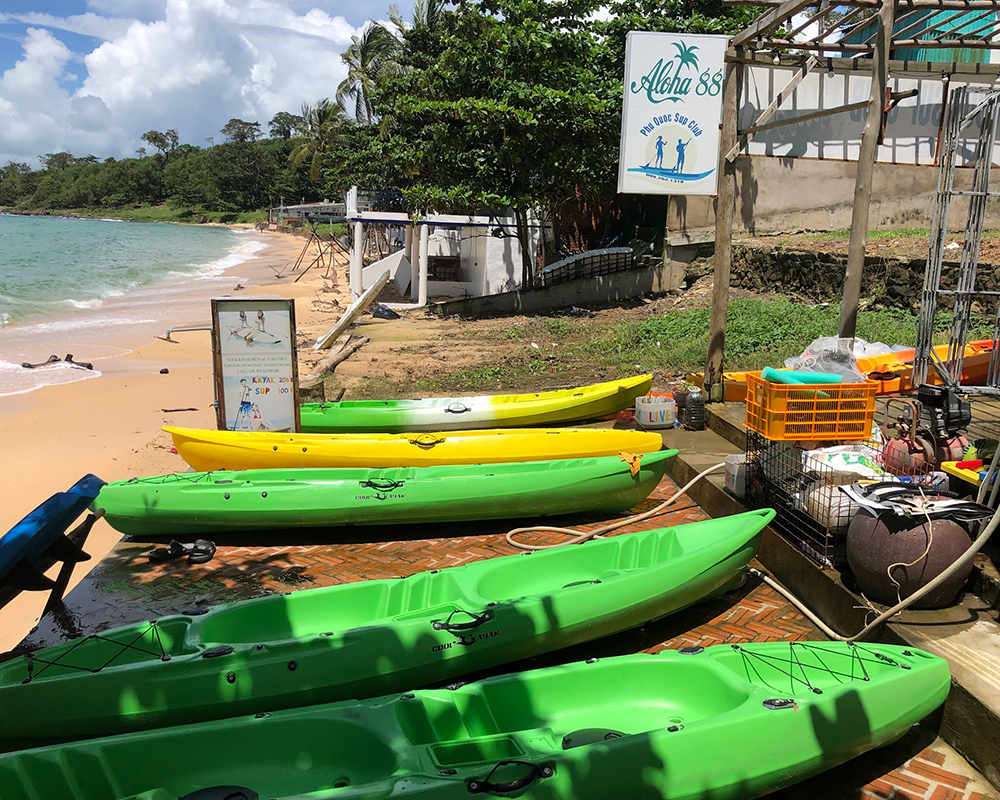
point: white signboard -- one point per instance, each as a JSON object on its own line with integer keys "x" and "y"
{"x": 671, "y": 115}
{"x": 912, "y": 126}
{"x": 256, "y": 367}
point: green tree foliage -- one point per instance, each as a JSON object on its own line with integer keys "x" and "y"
{"x": 240, "y": 131}
{"x": 509, "y": 113}
{"x": 163, "y": 142}
{"x": 283, "y": 125}
{"x": 516, "y": 104}
{"x": 370, "y": 59}
{"x": 323, "y": 124}
{"x": 57, "y": 160}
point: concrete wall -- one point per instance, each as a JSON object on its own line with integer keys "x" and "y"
{"x": 792, "y": 194}
{"x": 652, "y": 278}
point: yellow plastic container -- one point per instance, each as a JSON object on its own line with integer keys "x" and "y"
{"x": 810, "y": 412}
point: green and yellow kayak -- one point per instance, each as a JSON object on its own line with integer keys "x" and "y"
{"x": 730, "y": 721}
{"x": 207, "y": 450}
{"x": 262, "y": 499}
{"x": 368, "y": 638}
{"x": 466, "y": 413}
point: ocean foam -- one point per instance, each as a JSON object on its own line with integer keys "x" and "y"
{"x": 97, "y": 302}
{"x": 15, "y": 379}
{"x": 73, "y": 324}
{"x": 242, "y": 251}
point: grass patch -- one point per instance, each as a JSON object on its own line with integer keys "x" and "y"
{"x": 507, "y": 373}
{"x": 559, "y": 326}
{"x": 897, "y": 233}
{"x": 759, "y": 333}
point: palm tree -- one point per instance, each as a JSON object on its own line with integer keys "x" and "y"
{"x": 369, "y": 59}
{"x": 426, "y": 14}
{"x": 321, "y": 127}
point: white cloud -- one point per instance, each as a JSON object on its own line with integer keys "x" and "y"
{"x": 88, "y": 24}
{"x": 193, "y": 67}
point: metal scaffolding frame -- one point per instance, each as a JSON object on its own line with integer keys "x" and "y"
{"x": 983, "y": 118}
{"x": 780, "y": 35}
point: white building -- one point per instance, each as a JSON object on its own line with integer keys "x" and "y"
{"x": 441, "y": 255}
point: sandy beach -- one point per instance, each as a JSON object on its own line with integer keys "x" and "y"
{"x": 110, "y": 426}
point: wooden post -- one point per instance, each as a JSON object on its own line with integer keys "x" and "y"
{"x": 866, "y": 166}
{"x": 724, "y": 210}
{"x": 667, "y": 251}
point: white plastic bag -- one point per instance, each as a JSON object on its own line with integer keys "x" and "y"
{"x": 829, "y": 354}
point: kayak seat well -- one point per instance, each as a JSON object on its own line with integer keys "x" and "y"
{"x": 529, "y": 575}
{"x": 296, "y": 615}
{"x": 292, "y": 757}
{"x": 484, "y": 716}
{"x": 338, "y": 608}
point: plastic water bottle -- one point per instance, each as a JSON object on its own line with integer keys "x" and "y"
{"x": 694, "y": 411}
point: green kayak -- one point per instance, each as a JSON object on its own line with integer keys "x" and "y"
{"x": 216, "y": 502}
{"x": 735, "y": 721}
{"x": 368, "y": 638}
{"x": 435, "y": 414}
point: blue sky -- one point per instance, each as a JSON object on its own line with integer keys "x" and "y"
{"x": 91, "y": 76}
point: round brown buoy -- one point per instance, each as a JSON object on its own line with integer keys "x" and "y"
{"x": 874, "y": 543}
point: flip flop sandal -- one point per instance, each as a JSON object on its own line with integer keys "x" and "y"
{"x": 197, "y": 552}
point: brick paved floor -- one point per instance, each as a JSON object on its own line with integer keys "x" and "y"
{"x": 126, "y": 587}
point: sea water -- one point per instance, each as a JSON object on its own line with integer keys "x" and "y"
{"x": 97, "y": 288}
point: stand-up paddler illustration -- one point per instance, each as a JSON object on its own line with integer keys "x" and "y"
{"x": 256, "y": 334}
{"x": 244, "y": 414}
{"x": 681, "y": 147}
{"x": 259, "y": 334}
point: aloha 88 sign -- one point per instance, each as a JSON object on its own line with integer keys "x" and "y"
{"x": 671, "y": 115}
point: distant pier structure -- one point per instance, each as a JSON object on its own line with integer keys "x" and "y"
{"x": 325, "y": 212}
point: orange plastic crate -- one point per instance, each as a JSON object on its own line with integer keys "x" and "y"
{"x": 810, "y": 411}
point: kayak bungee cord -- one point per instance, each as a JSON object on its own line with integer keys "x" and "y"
{"x": 579, "y": 536}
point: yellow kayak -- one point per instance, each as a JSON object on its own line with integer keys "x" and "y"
{"x": 482, "y": 411}
{"x": 209, "y": 450}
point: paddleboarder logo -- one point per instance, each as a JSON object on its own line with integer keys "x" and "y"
{"x": 676, "y": 133}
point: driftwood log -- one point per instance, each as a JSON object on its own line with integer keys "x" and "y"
{"x": 57, "y": 360}
{"x": 327, "y": 364}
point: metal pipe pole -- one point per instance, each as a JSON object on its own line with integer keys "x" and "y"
{"x": 425, "y": 232}
{"x": 866, "y": 166}
{"x": 356, "y": 261}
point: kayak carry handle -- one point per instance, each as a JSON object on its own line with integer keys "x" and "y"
{"x": 457, "y": 408}
{"x": 475, "y": 622}
{"x": 384, "y": 485}
{"x": 426, "y": 440}
{"x": 535, "y": 771}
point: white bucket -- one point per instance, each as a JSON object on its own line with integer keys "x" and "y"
{"x": 655, "y": 411}
{"x": 736, "y": 475}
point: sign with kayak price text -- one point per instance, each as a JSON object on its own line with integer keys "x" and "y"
{"x": 671, "y": 113}
{"x": 256, "y": 365}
